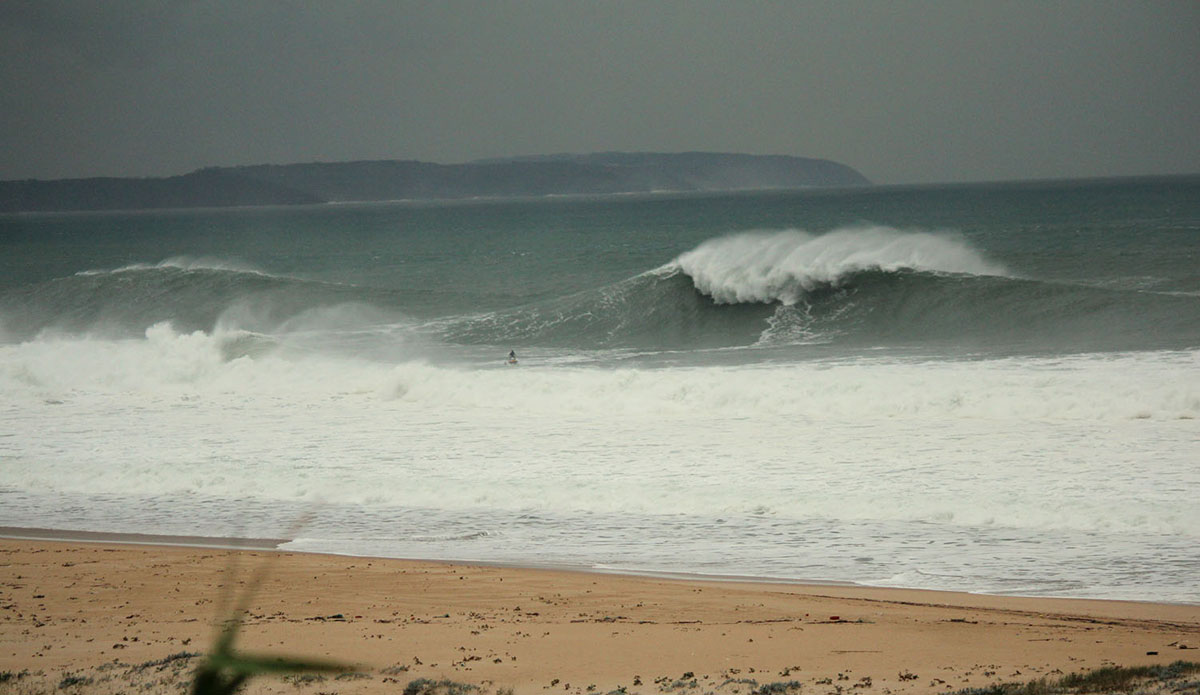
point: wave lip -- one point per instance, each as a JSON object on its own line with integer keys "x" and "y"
{"x": 782, "y": 266}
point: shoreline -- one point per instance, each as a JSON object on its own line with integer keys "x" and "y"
{"x": 87, "y": 609}
{"x": 113, "y": 538}
{"x": 19, "y": 533}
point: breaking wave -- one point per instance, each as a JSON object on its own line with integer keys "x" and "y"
{"x": 785, "y": 266}
{"x": 858, "y": 287}
{"x": 861, "y": 287}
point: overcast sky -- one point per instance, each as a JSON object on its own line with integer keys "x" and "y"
{"x": 957, "y": 90}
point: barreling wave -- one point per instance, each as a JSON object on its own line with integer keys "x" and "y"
{"x": 655, "y": 310}
{"x": 786, "y": 266}
{"x": 860, "y": 287}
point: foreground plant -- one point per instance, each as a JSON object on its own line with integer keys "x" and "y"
{"x": 1109, "y": 679}
{"x": 225, "y": 671}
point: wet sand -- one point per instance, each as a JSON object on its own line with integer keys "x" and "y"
{"x": 107, "y": 610}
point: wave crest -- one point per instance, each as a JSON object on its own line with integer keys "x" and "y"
{"x": 185, "y": 263}
{"x": 783, "y": 266}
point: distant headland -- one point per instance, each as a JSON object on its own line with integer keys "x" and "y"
{"x": 540, "y": 175}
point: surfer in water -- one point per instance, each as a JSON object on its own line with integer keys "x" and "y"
{"x": 512, "y": 356}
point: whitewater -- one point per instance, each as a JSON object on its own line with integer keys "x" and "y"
{"x": 996, "y": 394}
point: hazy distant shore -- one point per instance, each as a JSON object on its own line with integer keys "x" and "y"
{"x": 365, "y": 181}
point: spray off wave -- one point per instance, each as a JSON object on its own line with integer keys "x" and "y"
{"x": 716, "y": 295}
{"x": 783, "y": 266}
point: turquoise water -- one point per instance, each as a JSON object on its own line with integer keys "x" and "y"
{"x": 981, "y": 387}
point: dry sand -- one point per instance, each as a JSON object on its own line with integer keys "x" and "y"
{"x": 101, "y": 611}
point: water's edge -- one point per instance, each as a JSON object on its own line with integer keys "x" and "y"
{"x": 279, "y": 545}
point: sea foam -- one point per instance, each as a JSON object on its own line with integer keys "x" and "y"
{"x": 1112, "y": 387}
{"x": 1085, "y": 444}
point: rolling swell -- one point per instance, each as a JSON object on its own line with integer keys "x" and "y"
{"x": 859, "y": 288}
{"x": 125, "y": 302}
{"x": 878, "y": 308}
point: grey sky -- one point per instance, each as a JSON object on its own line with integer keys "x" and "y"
{"x": 902, "y": 91}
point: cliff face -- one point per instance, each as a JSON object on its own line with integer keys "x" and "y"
{"x": 396, "y": 180}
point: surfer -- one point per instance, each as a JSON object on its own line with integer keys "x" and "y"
{"x": 512, "y": 356}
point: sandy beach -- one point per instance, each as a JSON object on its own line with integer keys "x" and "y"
{"x": 106, "y": 614}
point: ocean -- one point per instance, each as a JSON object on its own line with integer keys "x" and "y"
{"x": 985, "y": 387}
